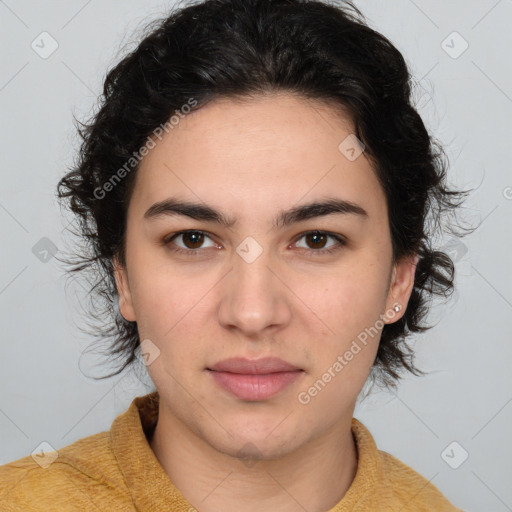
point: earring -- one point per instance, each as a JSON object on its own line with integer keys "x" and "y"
{"x": 397, "y": 307}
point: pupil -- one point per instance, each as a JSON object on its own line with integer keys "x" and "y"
{"x": 197, "y": 239}
{"x": 315, "y": 236}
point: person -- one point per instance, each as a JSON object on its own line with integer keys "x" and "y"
{"x": 258, "y": 197}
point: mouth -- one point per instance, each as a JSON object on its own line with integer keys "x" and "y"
{"x": 254, "y": 380}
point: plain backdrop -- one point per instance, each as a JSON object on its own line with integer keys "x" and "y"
{"x": 452, "y": 426}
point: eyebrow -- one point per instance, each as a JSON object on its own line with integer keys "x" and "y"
{"x": 200, "y": 211}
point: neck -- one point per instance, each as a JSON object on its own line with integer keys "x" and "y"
{"x": 313, "y": 478}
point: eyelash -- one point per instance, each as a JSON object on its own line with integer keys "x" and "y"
{"x": 341, "y": 241}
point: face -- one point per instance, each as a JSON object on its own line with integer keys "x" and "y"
{"x": 252, "y": 272}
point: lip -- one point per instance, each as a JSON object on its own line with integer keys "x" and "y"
{"x": 245, "y": 366}
{"x": 254, "y": 380}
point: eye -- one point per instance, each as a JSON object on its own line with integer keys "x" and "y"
{"x": 191, "y": 240}
{"x": 318, "y": 239}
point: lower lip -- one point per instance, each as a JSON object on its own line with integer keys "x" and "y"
{"x": 255, "y": 387}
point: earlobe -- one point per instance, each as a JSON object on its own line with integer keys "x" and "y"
{"x": 123, "y": 291}
{"x": 401, "y": 287}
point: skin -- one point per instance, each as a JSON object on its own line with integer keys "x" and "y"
{"x": 250, "y": 160}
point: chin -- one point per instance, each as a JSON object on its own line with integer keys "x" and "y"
{"x": 251, "y": 450}
{"x": 266, "y": 441}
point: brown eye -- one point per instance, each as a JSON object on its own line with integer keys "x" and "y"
{"x": 193, "y": 239}
{"x": 317, "y": 242}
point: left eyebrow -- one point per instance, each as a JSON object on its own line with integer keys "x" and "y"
{"x": 319, "y": 209}
{"x": 201, "y": 211}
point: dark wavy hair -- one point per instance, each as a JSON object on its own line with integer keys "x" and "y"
{"x": 242, "y": 48}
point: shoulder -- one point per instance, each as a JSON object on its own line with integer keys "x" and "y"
{"x": 413, "y": 491}
{"x": 71, "y": 478}
{"x": 385, "y": 483}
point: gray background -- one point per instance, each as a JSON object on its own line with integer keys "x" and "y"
{"x": 47, "y": 393}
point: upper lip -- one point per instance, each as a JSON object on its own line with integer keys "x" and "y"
{"x": 253, "y": 366}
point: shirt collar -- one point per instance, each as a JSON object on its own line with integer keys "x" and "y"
{"x": 149, "y": 485}
{"x": 152, "y": 490}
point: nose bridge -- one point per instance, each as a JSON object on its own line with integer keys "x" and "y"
{"x": 253, "y": 299}
{"x": 253, "y": 274}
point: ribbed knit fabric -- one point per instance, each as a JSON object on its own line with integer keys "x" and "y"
{"x": 118, "y": 471}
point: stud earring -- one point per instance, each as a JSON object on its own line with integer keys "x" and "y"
{"x": 397, "y": 307}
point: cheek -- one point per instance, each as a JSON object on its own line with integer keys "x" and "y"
{"x": 348, "y": 338}
{"x": 162, "y": 296}
{"x": 349, "y": 299}
{"x": 172, "y": 310}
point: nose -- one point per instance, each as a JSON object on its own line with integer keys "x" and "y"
{"x": 254, "y": 299}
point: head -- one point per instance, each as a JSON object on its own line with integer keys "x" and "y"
{"x": 285, "y": 142}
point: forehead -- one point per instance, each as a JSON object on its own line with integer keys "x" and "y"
{"x": 270, "y": 150}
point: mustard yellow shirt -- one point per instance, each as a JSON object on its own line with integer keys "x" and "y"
{"x": 118, "y": 471}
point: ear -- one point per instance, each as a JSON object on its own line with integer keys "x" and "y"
{"x": 123, "y": 291}
{"x": 401, "y": 286}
